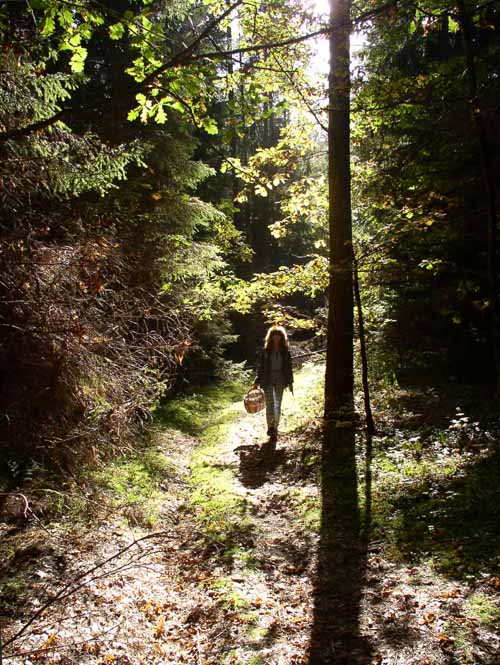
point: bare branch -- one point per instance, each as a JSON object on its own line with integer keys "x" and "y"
{"x": 70, "y": 588}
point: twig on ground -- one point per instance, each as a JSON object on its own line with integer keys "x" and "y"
{"x": 63, "y": 646}
{"x": 70, "y": 589}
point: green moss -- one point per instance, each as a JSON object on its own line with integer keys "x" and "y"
{"x": 134, "y": 485}
{"x": 483, "y": 610}
{"x": 12, "y": 590}
{"x": 222, "y": 509}
{"x": 257, "y": 633}
{"x": 240, "y": 558}
{"x": 480, "y": 607}
{"x": 256, "y": 659}
{"x": 191, "y": 414}
{"x": 229, "y": 597}
{"x": 307, "y": 507}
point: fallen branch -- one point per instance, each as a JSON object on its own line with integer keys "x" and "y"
{"x": 310, "y": 353}
{"x": 70, "y": 589}
{"x": 65, "y": 645}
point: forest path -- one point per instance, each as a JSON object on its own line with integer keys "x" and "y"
{"x": 222, "y": 576}
{"x": 271, "y": 574}
{"x": 224, "y": 573}
{"x": 260, "y": 503}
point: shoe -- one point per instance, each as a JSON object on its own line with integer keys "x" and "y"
{"x": 273, "y": 434}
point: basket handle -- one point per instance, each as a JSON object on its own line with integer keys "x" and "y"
{"x": 256, "y": 391}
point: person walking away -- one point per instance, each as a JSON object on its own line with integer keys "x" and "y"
{"x": 274, "y": 374}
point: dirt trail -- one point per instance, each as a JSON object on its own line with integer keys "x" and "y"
{"x": 181, "y": 596}
{"x": 173, "y": 598}
{"x": 278, "y": 581}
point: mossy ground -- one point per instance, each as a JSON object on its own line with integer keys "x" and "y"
{"x": 208, "y": 414}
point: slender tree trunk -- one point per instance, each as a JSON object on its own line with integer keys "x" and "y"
{"x": 335, "y": 635}
{"x": 339, "y": 360}
{"x": 231, "y": 104}
{"x": 370, "y": 425}
{"x": 487, "y": 169}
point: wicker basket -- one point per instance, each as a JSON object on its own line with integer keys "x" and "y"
{"x": 254, "y": 400}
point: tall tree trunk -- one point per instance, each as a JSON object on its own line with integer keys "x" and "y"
{"x": 231, "y": 104}
{"x": 341, "y": 557}
{"x": 488, "y": 175}
{"x": 339, "y": 358}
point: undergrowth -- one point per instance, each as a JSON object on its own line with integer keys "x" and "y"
{"x": 439, "y": 504}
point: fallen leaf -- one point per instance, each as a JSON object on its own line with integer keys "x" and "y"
{"x": 453, "y": 593}
{"x": 50, "y": 641}
{"x": 495, "y": 582}
{"x": 428, "y": 618}
{"x": 160, "y": 627}
{"x": 444, "y": 639}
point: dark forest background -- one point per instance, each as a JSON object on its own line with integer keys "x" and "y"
{"x": 151, "y": 228}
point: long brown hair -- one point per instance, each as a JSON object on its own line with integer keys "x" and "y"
{"x": 273, "y": 330}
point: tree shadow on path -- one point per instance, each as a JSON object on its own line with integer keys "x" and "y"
{"x": 257, "y": 463}
{"x": 341, "y": 569}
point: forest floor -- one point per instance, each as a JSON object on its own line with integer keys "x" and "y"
{"x": 203, "y": 548}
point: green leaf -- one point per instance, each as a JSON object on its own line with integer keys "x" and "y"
{"x": 48, "y": 25}
{"x": 117, "y": 30}
{"x": 71, "y": 43}
{"x": 161, "y": 116}
{"x": 77, "y": 62}
{"x": 210, "y": 126}
{"x": 133, "y": 113}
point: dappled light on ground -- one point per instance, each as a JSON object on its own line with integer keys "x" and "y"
{"x": 245, "y": 564}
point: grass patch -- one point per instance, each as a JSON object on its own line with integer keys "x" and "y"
{"x": 240, "y": 558}
{"x": 478, "y": 609}
{"x": 134, "y": 485}
{"x": 482, "y": 608}
{"x": 307, "y": 402}
{"x": 191, "y": 413}
{"x": 209, "y": 413}
{"x": 229, "y": 597}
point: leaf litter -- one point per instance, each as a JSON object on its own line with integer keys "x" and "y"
{"x": 183, "y": 597}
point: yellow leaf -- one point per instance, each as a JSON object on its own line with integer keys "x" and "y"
{"x": 50, "y": 641}
{"x": 160, "y": 627}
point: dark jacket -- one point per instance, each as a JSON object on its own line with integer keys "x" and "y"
{"x": 264, "y": 369}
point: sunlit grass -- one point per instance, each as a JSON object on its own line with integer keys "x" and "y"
{"x": 133, "y": 485}
{"x": 307, "y": 401}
